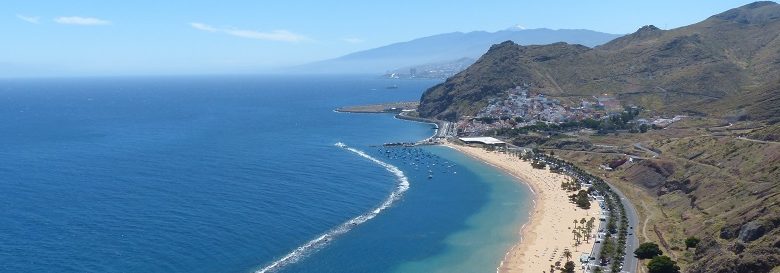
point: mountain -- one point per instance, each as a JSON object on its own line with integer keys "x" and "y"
{"x": 714, "y": 175}
{"x": 724, "y": 65}
{"x": 445, "y": 48}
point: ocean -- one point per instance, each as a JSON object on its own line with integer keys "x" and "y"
{"x": 239, "y": 174}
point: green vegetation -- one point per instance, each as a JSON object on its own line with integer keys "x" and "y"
{"x": 691, "y": 242}
{"x": 569, "y": 267}
{"x": 647, "y": 251}
{"x": 582, "y": 231}
{"x": 570, "y": 185}
{"x": 643, "y": 128}
{"x": 662, "y": 264}
{"x": 580, "y": 199}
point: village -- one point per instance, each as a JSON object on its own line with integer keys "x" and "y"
{"x": 521, "y": 108}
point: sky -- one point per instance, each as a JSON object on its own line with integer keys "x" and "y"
{"x": 152, "y": 37}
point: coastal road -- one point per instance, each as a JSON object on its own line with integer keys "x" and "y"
{"x": 445, "y": 129}
{"x": 631, "y": 263}
{"x": 596, "y": 251}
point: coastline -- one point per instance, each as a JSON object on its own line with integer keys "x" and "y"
{"x": 548, "y": 230}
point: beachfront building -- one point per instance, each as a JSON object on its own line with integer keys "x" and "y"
{"x": 484, "y": 142}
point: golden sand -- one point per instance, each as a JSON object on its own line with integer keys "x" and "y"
{"x": 549, "y": 231}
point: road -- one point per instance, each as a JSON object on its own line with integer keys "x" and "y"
{"x": 632, "y": 242}
{"x": 630, "y": 263}
{"x": 639, "y": 146}
{"x": 756, "y": 140}
{"x": 445, "y": 129}
{"x": 596, "y": 251}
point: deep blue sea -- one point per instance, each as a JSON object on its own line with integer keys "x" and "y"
{"x": 238, "y": 174}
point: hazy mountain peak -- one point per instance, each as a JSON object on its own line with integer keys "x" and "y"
{"x": 447, "y": 47}
{"x": 515, "y": 28}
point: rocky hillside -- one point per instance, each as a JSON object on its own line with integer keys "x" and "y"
{"x": 726, "y": 65}
{"x": 723, "y": 190}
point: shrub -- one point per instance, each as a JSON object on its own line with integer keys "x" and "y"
{"x": 569, "y": 267}
{"x": 662, "y": 264}
{"x": 647, "y": 251}
{"x": 691, "y": 242}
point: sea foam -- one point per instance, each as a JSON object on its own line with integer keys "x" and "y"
{"x": 321, "y": 241}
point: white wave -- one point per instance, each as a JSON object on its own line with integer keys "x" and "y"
{"x": 319, "y": 242}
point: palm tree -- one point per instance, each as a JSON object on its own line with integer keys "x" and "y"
{"x": 575, "y": 223}
{"x": 579, "y": 237}
{"x": 586, "y": 233}
{"x": 576, "y": 237}
{"x": 567, "y": 254}
{"x": 589, "y": 226}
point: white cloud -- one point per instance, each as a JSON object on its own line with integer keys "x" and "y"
{"x": 29, "y": 19}
{"x": 82, "y": 21}
{"x": 203, "y": 27}
{"x": 353, "y": 40}
{"x": 276, "y": 35}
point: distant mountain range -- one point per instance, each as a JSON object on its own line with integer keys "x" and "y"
{"x": 446, "y": 48}
{"x": 725, "y": 65}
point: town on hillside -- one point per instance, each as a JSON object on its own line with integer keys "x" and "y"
{"x": 521, "y": 108}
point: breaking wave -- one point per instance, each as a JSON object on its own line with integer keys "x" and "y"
{"x": 319, "y": 242}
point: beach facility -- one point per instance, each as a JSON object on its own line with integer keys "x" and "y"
{"x": 484, "y": 142}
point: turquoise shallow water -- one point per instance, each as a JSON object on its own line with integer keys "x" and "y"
{"x": 490, "y": 232}
{"x": 231, "y": 174}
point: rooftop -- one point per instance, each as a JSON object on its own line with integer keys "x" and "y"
{"x": 483, "y": 140}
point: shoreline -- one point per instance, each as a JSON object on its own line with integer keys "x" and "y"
{"x": 550, "y": 215}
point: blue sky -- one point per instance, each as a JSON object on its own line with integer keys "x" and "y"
{"x": 145, "y": 37}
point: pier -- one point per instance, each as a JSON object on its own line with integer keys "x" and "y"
{"x": 391, "y": 107}
{"x": 406, "y": 111}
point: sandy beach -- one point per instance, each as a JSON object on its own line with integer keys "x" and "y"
{"x": 549, "y": 231}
